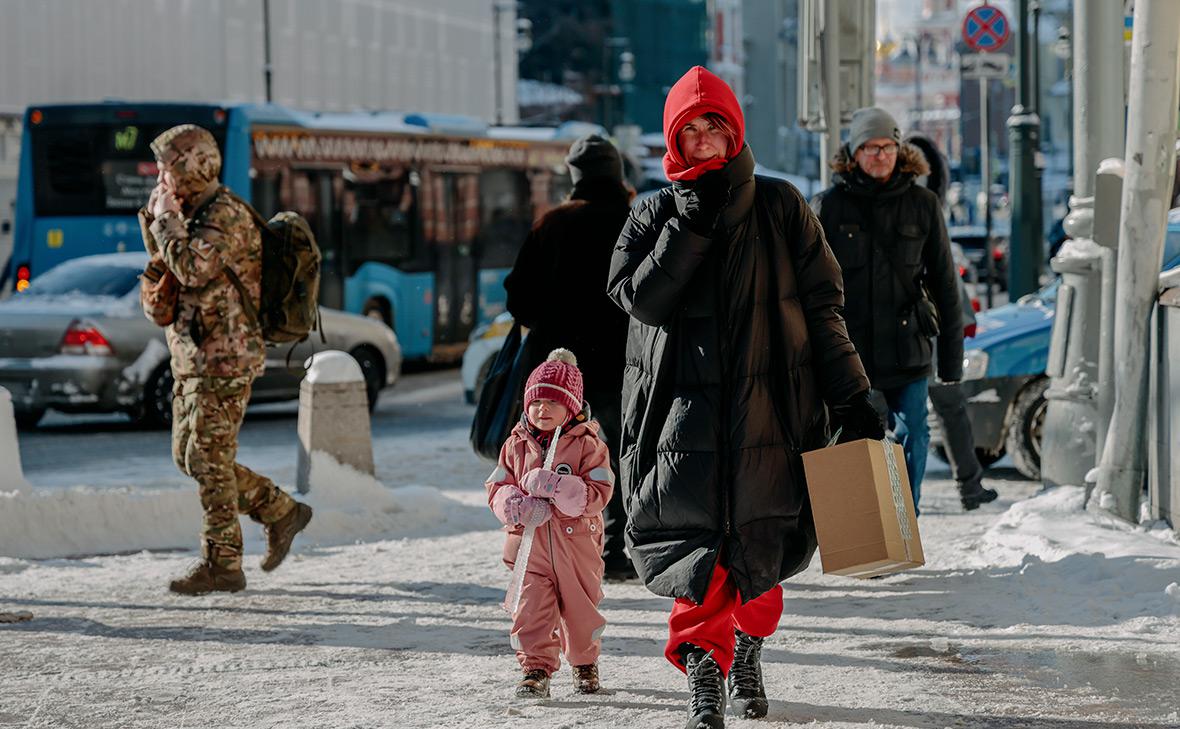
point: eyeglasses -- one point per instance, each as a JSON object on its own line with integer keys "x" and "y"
{"x": 874, "y": 150}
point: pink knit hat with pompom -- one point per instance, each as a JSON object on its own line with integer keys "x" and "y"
{"x": 557, "y": 378}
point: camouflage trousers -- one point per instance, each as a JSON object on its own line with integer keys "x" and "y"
{"x": 206, "y": 415}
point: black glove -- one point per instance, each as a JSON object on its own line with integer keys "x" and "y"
{"x": 701, "y": 203}
{"x": 858, "y": 419}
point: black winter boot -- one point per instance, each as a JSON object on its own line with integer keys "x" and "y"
{"x": 706, "y": 686}
{"x": 972, "y": 494}
{"x": 747, "y": 694}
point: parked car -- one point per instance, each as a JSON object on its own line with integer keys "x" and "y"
{"x": 973, "y": 240}
{"x": 963, "y": 264}
{"x": 1004, "y": 372}
{"x": 77, "y": 341}
{"x": 482, "y": 347}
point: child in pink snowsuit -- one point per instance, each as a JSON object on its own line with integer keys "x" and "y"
{"x": 562, "y": 586}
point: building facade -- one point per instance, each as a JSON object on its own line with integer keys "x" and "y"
{"x": 771, "y": 30}
{"x": 440, "y": 56}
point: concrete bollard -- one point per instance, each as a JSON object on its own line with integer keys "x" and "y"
{"x": 12, "y": 478}
{"x": 333, "y": 415}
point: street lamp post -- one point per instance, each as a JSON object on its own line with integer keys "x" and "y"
{"x": 1024, "y": 134}
{"x": 266, "y": 64}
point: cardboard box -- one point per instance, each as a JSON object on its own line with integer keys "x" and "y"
{"x": 863, "y": 509}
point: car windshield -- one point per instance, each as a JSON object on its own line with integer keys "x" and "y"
{"x": 86, "y": 278}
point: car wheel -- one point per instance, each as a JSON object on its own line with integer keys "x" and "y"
{"x": 988, "y": 458}
{"x": 378, "y": 309}
{"x": 1026, "y": 427}
{"x": 156, "y": 410}
{"x": 28, "y": 419}
{"x": 373, "y": 368}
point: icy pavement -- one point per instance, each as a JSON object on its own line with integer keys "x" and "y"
{"x": 1029, "y": 613}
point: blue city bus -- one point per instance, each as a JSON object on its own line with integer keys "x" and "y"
{"x": 419, "y": 216}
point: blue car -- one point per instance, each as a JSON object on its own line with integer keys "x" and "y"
{"x": 1004, "y": 376}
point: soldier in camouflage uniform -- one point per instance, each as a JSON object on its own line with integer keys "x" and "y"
{"x": 195, "y": 232}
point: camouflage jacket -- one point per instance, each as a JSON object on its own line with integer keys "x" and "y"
{"x": 212, "y": 335}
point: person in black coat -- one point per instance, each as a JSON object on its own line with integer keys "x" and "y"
{"x": 555, "y": 289}
{"x": 736, "y": 343}
{"x": 948, "y": 400}
{"x": 890, "y": 238}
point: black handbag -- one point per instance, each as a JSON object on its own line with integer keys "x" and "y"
{"x": 499, "y": 401}
{"x": 920, "y": 306}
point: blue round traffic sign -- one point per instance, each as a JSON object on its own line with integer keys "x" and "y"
{"x": 986, "y": 29}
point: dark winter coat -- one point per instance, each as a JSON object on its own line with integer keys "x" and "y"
{"x": 735, "y": 343}
{"x": 556, "y": 290}
{"x": 863, "y": 219}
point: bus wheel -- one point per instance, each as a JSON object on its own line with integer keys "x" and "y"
{"x": 373, "y": 368}
{"x": 379, "y": 309}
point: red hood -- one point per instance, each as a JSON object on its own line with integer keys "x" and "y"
{"x": 698, "y": 92}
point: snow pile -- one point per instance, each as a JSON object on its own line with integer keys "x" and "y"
{"x": 1083, "y": 567}
{"x": 1054, "y": 524}
{"x": 349, "y": 507}
{"x": 353, "y": 506}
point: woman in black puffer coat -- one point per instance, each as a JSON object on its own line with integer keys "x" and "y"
{"x": 735, "y": 345}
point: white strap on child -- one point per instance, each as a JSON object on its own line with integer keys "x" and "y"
{"x": 516, "y": 584}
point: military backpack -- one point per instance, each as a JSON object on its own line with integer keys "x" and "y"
{"x": 288, "y": 308}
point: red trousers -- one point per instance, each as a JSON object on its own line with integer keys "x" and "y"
{"x": 711, "y": 624}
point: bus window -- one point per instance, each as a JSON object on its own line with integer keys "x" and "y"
{"x": 381, "y": 221}
{"x": 97, "y": 169}
{"x": 505, "y": 216}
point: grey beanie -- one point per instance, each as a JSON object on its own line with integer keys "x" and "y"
{"x": 594, "y": 156}
{"x": 871, "y": 123}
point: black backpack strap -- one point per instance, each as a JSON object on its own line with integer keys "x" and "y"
{"x": 244, "y": 295}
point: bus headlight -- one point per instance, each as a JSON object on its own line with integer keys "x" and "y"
{"x": 974, "y": 364}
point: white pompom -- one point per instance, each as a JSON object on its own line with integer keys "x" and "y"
{"x": 562, "y": 355}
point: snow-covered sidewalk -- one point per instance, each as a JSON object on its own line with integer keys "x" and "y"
{"x": 1029, "y": 613}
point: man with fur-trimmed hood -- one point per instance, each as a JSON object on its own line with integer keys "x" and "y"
{"x": 202, "y": 236}
{"x": 890, "y": 239}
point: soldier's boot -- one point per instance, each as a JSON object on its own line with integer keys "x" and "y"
{"x": 280, "y": 534}
{"x": 972, "y": 494}
{"x": 586, "y": 678}
{"x": 747, "y": 694}
{"x": 534, "y": 685}
{"x": 206, "y": 577}
{"x": 706, "y": 686}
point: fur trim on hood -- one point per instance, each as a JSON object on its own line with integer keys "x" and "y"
{"x": 910, "y": 161}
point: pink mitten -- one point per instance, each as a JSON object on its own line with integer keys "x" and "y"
{"x": 534, "y": 512}
{"x": 540, "y": 482}
{"x": 506, "y": 504}
{"x": 570, "y": 496}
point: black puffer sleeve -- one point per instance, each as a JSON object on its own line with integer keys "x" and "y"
{"x": 653, "y": 262}
{"x": 821, "y": 292}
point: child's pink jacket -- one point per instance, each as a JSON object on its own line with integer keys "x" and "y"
{"x": 581, "y": 453}
{"x": 565, "y": 567}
